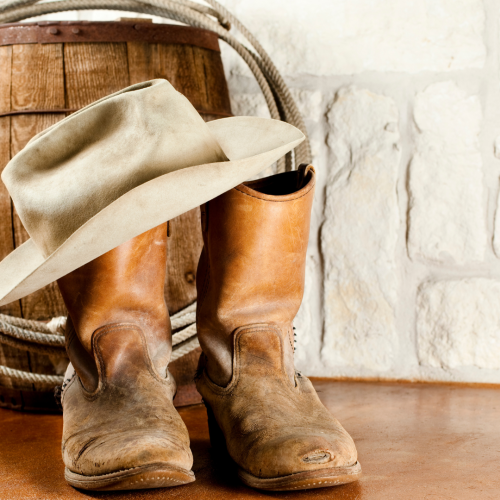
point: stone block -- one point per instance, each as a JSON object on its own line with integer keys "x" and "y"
{"x": 458, "y": 323}
{"x": 447, "y": 217}
{"x": 360, "y": 232}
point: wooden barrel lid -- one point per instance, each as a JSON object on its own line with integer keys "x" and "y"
{"x": 115, "y": 31}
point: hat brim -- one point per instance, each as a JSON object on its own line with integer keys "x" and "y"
{"x": 251, "y": 144}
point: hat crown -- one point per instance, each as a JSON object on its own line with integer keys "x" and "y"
{"x": 70, "y": 172}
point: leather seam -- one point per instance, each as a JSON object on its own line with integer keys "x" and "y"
{"x": 233, "y": 384}
{"x": 149, "y": 363}
{"x": 103, "y": 382}
{"x": 291, "y": 339}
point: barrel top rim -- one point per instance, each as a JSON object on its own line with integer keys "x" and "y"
{"x": 114, "y": 23}
{"x": 106, "y": 31}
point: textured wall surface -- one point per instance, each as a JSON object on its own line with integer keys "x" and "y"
{"x": 402, "y": 103}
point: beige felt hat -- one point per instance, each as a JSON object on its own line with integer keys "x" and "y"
{"x": 119, "y": 167}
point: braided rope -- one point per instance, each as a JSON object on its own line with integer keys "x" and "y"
{"x": 183, "y": 335}
{"x": 6, "y": 5}
{"x": 186, "y": 348}
{"x": 52, "y": 327}
{"x": 30, "y": 336}
{"x": 30, "y": 377}
{"x": 189, "y": 309}
{"x": 24, "y": 345}
{"x": 183, "y": 320}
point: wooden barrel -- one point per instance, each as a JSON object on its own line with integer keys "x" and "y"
{"x": 47, "y": 71}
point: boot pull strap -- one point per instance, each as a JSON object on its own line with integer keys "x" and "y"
{"x": 303, "y": 170}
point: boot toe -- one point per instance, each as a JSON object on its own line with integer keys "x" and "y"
{"x": 124, "y": 450}
{"x": 300, "y": 452}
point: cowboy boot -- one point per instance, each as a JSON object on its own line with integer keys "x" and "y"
{"x": 250, "y": 285}
{"x": 121, "y": 430}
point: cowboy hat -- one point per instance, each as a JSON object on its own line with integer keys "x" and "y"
{"x": 119, "y": 167}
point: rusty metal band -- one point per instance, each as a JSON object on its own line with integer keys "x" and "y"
{"x": 110, "y": 32}
{"x": 61, "y": 111}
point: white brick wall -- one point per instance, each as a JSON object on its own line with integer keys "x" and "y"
{"x": 360, "y": 232}
{"x": 458, "y": 322}
{"x": 447, "y": 211}
{"x": 401, "y": 99}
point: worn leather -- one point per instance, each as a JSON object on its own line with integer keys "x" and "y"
{"x": 118, "y": 411}
{"x": 250, "y": 286}
{"x": 123, "y": 285}
{"x": 252, "y": 267}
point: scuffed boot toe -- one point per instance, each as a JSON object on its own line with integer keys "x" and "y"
{"x": 127, "y": 434}
{"x": 120, "y": 451}
{"x": 301, "y": 463}
{"x": 296, "y": 453}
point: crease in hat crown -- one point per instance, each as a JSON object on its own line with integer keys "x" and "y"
{"x": 71, "y": 171}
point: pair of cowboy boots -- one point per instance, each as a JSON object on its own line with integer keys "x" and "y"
{"x": 121, "y": 430}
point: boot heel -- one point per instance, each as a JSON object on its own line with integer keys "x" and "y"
{"x": 217, "y": 439}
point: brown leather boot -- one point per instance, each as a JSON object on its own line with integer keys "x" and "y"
{"x": 121, "y": 430}
{"x": 250, "y": 286}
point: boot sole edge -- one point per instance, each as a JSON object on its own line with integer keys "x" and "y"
{"x": 323, "y": 478}
{"x": 142, "y": 477}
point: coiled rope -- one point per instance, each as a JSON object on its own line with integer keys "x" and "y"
{"x": 52, "y": 380}
{"x": 47, "y": 338}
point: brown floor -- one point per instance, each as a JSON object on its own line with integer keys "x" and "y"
{"x": 415, "y": 441}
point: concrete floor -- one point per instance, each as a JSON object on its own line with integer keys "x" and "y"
{"x": 415, "y": 441}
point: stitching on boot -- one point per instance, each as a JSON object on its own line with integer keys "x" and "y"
{"x": 233, "y": 383}
{"x": 103, "y": 383}
{"x": 66, "y": 387}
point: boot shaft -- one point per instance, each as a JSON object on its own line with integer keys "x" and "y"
{"x": 252, "y": 268}
{"x": 120, "y": 428}
{"x": 125, "y": 285}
